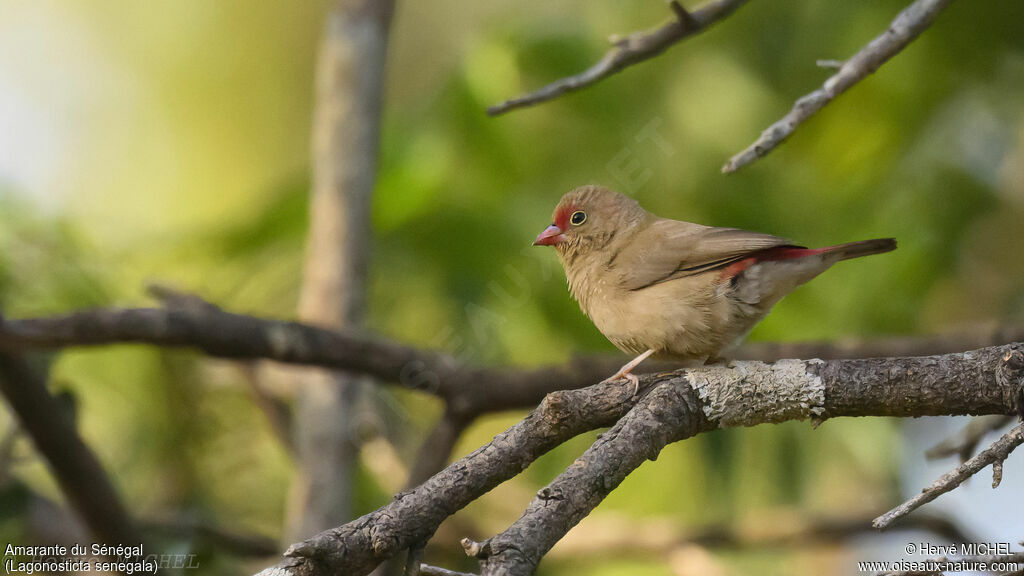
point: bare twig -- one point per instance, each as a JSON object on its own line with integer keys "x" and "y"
{"x": 907, "y": 26}
{"x": 997, "y": 452}
{"x": 632, "y": 49}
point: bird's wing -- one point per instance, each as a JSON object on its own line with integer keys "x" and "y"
{"x": 670, "y": 249}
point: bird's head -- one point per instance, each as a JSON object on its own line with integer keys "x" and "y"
{"x": 588, "y": 218}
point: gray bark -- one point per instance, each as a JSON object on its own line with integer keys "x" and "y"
{"x": 346, "y": 127}
{"x": 671, "y": 406}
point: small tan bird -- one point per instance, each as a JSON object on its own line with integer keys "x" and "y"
{"x": 678, "y": 290}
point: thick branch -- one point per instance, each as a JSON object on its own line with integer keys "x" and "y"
{"x": 907, "y": 26}
{"x": 632, "y": 49}
{"x": 75, "y": 467}
{"x": 680, "y": 404}
{"x": 357, "y": 547}
{"x": 749, "y": 394}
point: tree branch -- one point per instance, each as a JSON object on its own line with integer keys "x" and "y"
{"x": 745, "y": 395}
{"x": 994, "y": 455}
{"x": 907, "y": 26}
{"x": 239, "y": 337}
{"x": 632, "y": 49}
{"x": 414, "y": 516}
{"x": 74, "y": 466}
{"x": 966, "y": 440}
{"x": 672, "y": 406}
{"x": 345, "y": 141}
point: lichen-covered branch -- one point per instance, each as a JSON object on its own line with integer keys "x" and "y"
{"x": 907, "y": 26}
{"x": 629, "y": 50}
{"x": 670, "y": 407}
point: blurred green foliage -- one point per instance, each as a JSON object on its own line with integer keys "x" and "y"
{"x": 187, "y": 162}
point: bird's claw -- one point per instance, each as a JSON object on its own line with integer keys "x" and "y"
{"x": 636, "y": 384}
{"x": 629, "y": 377}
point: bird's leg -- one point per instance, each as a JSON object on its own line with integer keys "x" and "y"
{"x": 627, "y": 371}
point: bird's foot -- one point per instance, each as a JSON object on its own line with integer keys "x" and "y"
{"x": 626, "y": 372}
{"x": 636, "y": 384}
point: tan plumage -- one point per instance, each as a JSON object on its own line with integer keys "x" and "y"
{"x": 681, "y": 290}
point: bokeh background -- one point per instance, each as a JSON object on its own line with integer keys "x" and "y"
{"x": 169, "y": 141}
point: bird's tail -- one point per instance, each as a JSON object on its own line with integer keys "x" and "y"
{"x": 862, "y": 248}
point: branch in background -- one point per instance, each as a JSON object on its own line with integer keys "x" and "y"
{"x": 435, "y": 450}
{"x": 74, "y": 466}
{"x": 632, "y": 49}
{"x": 964, "y": 442}
{"x": 276, "y": 411}
{"x": 907, "y": 26}
{"x": 672, "y": 406}
{"x": 994, "y": 455}
{"x": 239, "y": 337}
{"x": 345, "y": 141}
{"x": 232, "y": 542}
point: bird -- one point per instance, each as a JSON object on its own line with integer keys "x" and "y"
{"x": 671, "y": 289}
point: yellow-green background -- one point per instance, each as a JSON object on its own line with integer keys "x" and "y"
{"x": 170, "y": 141}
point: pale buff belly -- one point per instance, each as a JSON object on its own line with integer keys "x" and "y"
{"x": 688, "y": 318}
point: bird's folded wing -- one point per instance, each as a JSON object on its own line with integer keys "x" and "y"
{"x": 670, "y": 249}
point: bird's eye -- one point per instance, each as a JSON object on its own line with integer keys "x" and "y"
{"x": 578, "y": 218}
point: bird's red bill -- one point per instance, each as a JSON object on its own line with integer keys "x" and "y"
{"x": 550, "y": 236}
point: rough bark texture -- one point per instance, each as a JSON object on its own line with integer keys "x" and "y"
{"x": 668, "y": 413}
{"x": 678, "y": 405}
{"x": 346, "y": 127}
{"x": 357, "y": 547}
